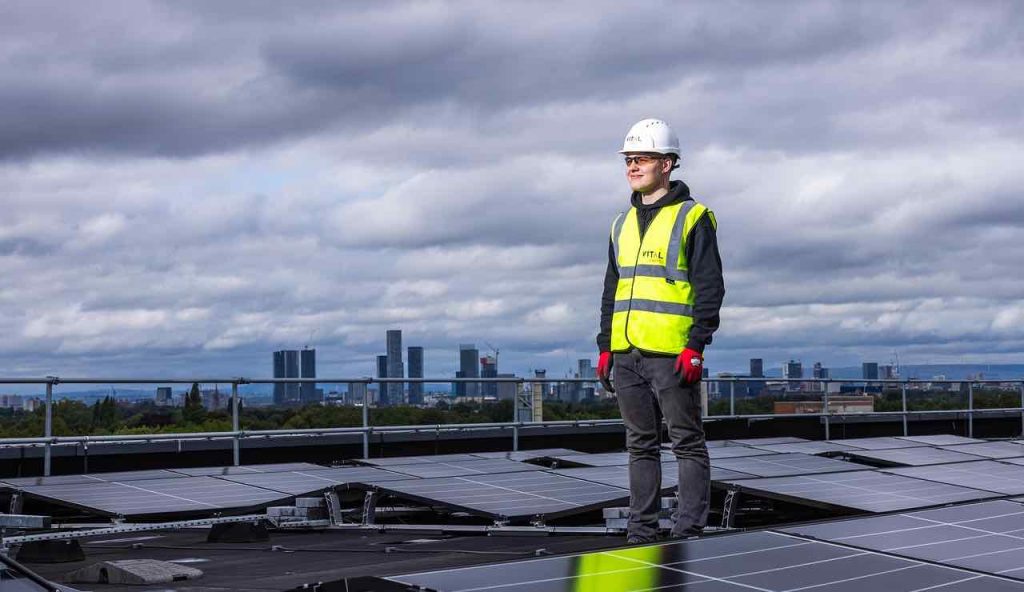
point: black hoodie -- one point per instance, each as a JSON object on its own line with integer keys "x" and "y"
{"x": 703, "y": 261}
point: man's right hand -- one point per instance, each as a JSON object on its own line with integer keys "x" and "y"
{"x": 604, "y": 371}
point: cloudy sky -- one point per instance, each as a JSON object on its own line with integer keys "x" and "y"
{"x": 188, "y": 186}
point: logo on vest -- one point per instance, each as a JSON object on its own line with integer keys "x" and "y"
{"x": 653, "y": 255}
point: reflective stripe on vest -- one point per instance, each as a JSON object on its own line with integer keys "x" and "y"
{"x": 653, "y": 299}
{"x": 619, "y": 571}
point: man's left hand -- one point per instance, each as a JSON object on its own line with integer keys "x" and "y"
{"x": 689, "y": 366}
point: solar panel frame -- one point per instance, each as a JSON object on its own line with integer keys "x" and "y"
{"x": 412, "y": 460}
{"x": 248, "y": 469}
{"x": 811, "y": 447}
{"x": 306, "y": 482}
{"x": 868, "y": 491}
{"x": 480, "y": 466}
{"x": 986, "y": 537}
{"x": 509, "y": 496}
{"x": 987, "y": 475}
{"x": 994, "y": 450}
{"x": 911, "y": 457}
{"x": 781, "y": 465}
{"x": 879, "y": 443}
{"x": 941, "y": 439}
{"x": 762, "y": 561}
{"x": 527, "y": 455}
{"x": 20, "y": 482}
{"x": 180, "y": 495}
{"x": 767, "y": 441}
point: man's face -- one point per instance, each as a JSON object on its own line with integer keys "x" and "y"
{"x": 646, "y": 171}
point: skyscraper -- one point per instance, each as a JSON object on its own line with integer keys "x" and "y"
{"x": 469, "y": 365}
{"x": 286, "y": 365}
{"x": 382, "y": 372}
{"x": 870, "y": 370}
{"x": 756, "y": 368}
{"x": 489, "y": 369}
{"x": 415, "y": 371}
{"x": 307, "y": 390}
{"x": 794, "y": 369}
{"x": 396, "y": 369}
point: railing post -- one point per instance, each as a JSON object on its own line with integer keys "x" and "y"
{"x": 234, "y": 423}
{"x": 366, "y": 420}
{"x": 970, "y": 409}
{"x": 903, "y": 395}
{"x": 48, "y": 427}
{"x": 824, "y": 400}
{"x": 732, "y": 398}
{"x": 1022, "y": 408}
{"x": 515, "y": 418}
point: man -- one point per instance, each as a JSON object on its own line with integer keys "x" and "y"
{"x": 662, "y": 295}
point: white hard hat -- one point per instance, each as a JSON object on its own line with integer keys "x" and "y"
{"x": 651, "y": 135}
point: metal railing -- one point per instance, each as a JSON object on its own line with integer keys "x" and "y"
{"x": 48, "y": 440}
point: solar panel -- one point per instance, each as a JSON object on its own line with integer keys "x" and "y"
{"x": 745, "y": 562}
{"x": 157, "y": 496}
{"x": 879, "y": 443}
{"x": 989, "y": 449}
{"x": 985, "y": 537}
{"x": 811, "y": 447}
{"x": 415, "y": 460}
{"x": 525, "y": 455}
{"x": 19, "y": 482}
{"x": 869, "y": 491}
{"x": 247, "y": 469}
{"x": 619, "y": 476}
{"x": 983, "y": 474}
{"x": 911, "y": 457}
{"x": 513, "y": 496}
{"x": 778, "y": 465}
{"x": 736, "y": 452}
{"x": 605, "y": 459}
{"x": 479, "y": 466}
{"x": 303, "y": 482}
{"x": 941, "y": 439}
{"x": 766, "y": 441}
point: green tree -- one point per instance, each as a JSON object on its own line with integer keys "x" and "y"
{"x": 194, "y": 412}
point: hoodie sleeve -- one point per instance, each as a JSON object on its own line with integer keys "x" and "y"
{"x": 611, "y": 281}
{"x": 705, "y": 266}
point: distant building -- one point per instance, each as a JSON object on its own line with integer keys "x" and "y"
{"x": 469, "y": 364}
{"x": 819, "y": 371}
{"x": 286, "y": 365}
{"x": 164, "y": 396}
{"x": 459, "y": 388}
{"x": 382, "y": 372}
{"x": 396, "y": 369}
{"x": 12, "y": 401}
{"x": 793, "y": 370}
{"x": 506, "y": 391}
{"x": 888, "y": 372}
{"x": 585, "y": 369}
{"x": 756, "y": 368}
{"x": 870, "y": 370}
{"x": 356, "y": 394}
{"x": 211, "y": 398}
{"x": 415, "y": 371}
{"x": 308, "y": 393}
{"x": 545, "y": 387}
{"x": 489, "y": 369}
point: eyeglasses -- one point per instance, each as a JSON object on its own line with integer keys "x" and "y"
{"x": 641, "y": 160}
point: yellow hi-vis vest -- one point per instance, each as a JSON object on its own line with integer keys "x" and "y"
{"x": 654, "y": 299}
{"x": 622, "y": 570}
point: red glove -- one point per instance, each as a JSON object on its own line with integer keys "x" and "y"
{"x": 689, "y": 366}
{"x": 604, "y": 371}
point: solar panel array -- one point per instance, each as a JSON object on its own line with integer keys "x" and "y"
{"x": 868, "y": 491}
{"x": 761, "y": 561}
{"x": 990, "y": 449}
{"x": 987, "y": 475}
{"x": 511, "y": 495}
{"x": 912, "y": 457}
{"x": 479, "y": 466}
{"x": 778, "y": 465}
{"x": 986, "y": 537}
{"x": 880, "y": 443}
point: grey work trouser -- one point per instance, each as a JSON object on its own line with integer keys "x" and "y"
{"x": 648, "y": 389}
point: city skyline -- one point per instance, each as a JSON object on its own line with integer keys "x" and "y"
{"x": 184, "y": 197}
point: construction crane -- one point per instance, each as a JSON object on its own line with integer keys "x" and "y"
{"x": 496, "y": 352}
